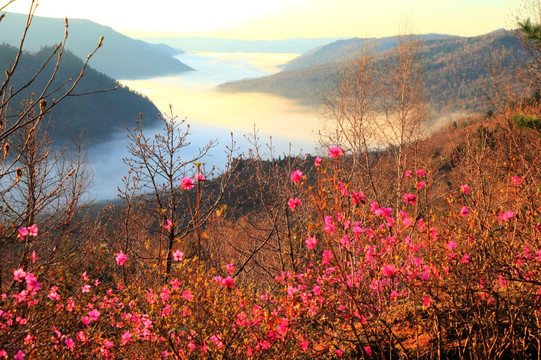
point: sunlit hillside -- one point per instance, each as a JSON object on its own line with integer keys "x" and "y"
{"x": 387, "y": 239}
{"x": 456, "y": 69}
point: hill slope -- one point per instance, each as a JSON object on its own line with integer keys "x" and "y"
{"x": 120, "y": 56}
{"x": 98, "y": 116}
{"x": 456, "y": 70}
{"x": 342, "y": 50}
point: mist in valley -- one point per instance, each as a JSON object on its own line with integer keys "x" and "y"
{"x": 282, "y": 124}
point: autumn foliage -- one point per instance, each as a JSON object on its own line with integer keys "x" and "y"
{"x": 442, "y": 276}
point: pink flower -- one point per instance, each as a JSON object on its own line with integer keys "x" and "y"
{"x": 216, "y": 340}
{"x": 19, "y": 275}
{"x": 426, "y": 302}
{"x": 178, "y": 255}
{"x": 327, "y": 256}
{"x": 368, "y": 350}
{"x": 121, "y": 258}
{"x": 335, "y": 152}
{"x": 228, "y": 282}
{"x": 200, "y": 177}
{"x": 451, "y": 245}
{"x": 388, "y": 270}
{"x": 32, "y": 283}
{"x": 338, "y": 352}
{"x": 93, "y": 315}
{"x": 27, "y": 231}
{"x": 464, "y": 211}
{"x": 421, "y": 224}
{"x": 421, "y": 173}
{"x": 186, "y": 183}
{"x": 317, "y": 162}
{"x": 85, "y": 289}
{"x": 187, "y": 295}
{"x": 407, "y": 173}
{"x": 230, "y": 268}
{"x": 357, "y": 197}
{"x": 34, "y": 257}
{"x": 70, "y": 344}
{"x": 293, "y": 203}
{"x": 296, "y": 176}
{"x": 420, "y": 185}
{"x": 19, "y": 355}
{"x": 410, "y": 199}
{"x": 108, "y": 344}
{"x": 126, "y": 338}
{"x": 505, "y": 216}
{"x": 311, "y": 242}
{"x": 465, "y": 189}
{"x": 53, "y": 295}
{"x": 344, "y": 241}
{"x": 22, "y": 232}
{"x": 329, "y": 225}
{"x": 168, "y": 225}
{"x": 516, "y": 180}
{"x": 33, "y": 230}
{"x": 81, "y": 336}
{"x": 291, "y": 291}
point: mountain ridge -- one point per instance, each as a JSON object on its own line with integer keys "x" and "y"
{"x": 120, "y": 57}
{"x": 343, "y": 49}
{"x": 456, "y": 70}
{"x": 99, "y": 115}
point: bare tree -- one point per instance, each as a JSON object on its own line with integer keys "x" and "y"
{"x": 350, "y": 110}
{"x": 378, "y": 100}
{"x": 404, "y": 103}
{"x": 34, "y": 182}
{"x": 160, "y": 164}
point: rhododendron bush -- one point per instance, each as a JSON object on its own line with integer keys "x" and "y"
{"x": 370, "y": 281}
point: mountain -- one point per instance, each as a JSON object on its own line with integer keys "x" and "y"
{"x": 456, "y": 69}
{"x": 295, "y": 45}
{"x": 98, "y": 115}
{"x": 341, "y": 50}
{"x": 120, "y": 57}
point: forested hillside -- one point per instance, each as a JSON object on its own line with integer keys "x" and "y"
{"x": 97, "y": 115}
{"x": 120, "y": 57}
{"x": 456, "y": 70}
{"x": 342, "y": 50}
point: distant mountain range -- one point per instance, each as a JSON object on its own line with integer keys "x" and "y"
{"x": 456, "y": 69}
{"x": 341, "y": 50}
{"x": 237, "y": 45}
{"x": 120, "y": 57}
{"x": 98, "y": 116}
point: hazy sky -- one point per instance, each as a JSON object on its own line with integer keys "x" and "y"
{"x": 278, "y": 19}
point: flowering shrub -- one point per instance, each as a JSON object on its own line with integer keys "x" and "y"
{"x": 367, "y": 281}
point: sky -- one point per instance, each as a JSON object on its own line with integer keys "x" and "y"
{"x": 281, "y": 19}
